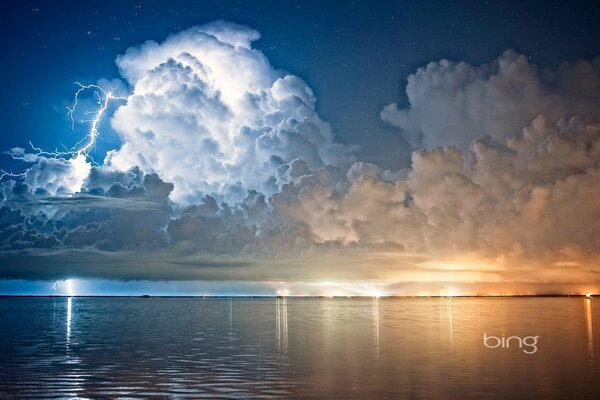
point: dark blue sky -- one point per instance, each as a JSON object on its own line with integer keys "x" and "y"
{"x": 355, "y": 55}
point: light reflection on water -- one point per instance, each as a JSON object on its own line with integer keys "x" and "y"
{"x": 281, "y": 327}
{"x": 376, "y": 323}
{"x": 69, "y": 304}
{"x": 295, "y": 348}
{"x": 588, "y": 324}
{"x": 445, "y": 312}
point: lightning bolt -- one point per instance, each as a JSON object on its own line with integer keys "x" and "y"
{"x": 82, "y": 148}
{"x": 103, "y": 99}
{"x": 4, "y": 174}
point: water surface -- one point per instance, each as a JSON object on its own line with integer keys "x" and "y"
{"x": 297, "y": 348}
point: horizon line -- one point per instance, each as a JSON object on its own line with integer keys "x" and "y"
{"x": 297, "y": 296}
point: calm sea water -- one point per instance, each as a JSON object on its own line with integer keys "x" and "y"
{"x": 298, "y": 348}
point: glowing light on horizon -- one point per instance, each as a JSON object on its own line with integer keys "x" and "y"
{"x": 349, "y": 289}
{"x": 69, "y": 287}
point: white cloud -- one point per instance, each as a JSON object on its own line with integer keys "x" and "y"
{"x": 527, "y": 200}
{"x": 210, "y": 114}
{"x": 51, "y": 175}
{"x": 454, "y": 103}
{"x": 508, "y": 177}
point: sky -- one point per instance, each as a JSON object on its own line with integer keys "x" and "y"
{"x": 300, "y": 147}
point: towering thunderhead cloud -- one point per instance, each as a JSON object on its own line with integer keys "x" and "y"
{"x": 210, "y": 114}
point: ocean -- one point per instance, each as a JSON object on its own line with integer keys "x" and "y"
{"x": 314, "y": 348}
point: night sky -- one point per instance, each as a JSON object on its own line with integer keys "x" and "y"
{"x": 354, "y": 55}
{"x": 354, "y": 147}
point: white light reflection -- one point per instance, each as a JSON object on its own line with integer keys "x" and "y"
{"x": 230, "y": 315}
{"x": 588, "y": 323}
{"x": 445, "y": 312}
{"x": 69, "y": 303}
{"x": 69, "y": 287}
{"x": 325, "y": 300}
{"x": 376, "y": 322}
{"x": 281, "y": 326}
{"x": 230, "y": 333}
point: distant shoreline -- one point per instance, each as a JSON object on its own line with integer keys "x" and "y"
{"x": 290, "y": 297}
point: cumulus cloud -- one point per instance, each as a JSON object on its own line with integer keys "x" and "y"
{"x": 210, "y": 114}
{"x": 523, "y": 209}
{"x": 226, "y": 171}
{"x": 52, "y": 175}
{"x": 454, "y": 103}
{"x": 508, "y": 175}
{"x": 531, "y": 190}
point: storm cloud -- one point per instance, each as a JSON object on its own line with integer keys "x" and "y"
{"x": 210, "y": 114}
{"x": 226, "y": 171}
